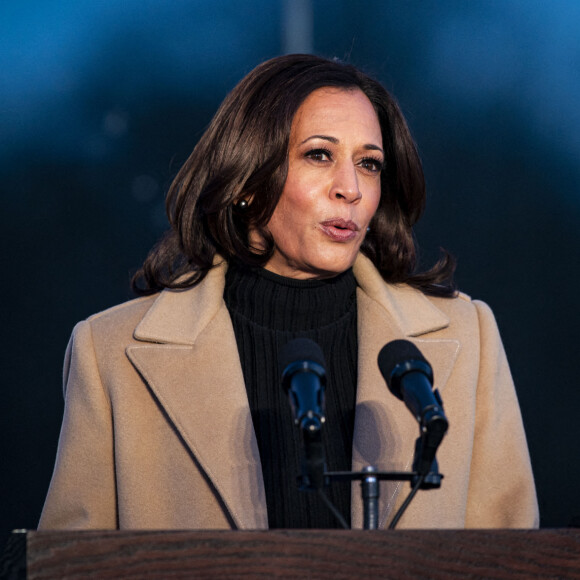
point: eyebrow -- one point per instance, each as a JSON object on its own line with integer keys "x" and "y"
{"x": 368, "y": 146}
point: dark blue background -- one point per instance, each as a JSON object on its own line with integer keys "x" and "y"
{"x": 101, "y": 101}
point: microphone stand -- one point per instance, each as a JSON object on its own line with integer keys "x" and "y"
{"x": 420, "y": 478}
{"x": 313, "y": 463}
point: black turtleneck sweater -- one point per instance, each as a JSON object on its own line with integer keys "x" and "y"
{"x": 267, "y": 311}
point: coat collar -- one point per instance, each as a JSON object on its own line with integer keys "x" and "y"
{"x": 410, "y": 310}
{"x": 178, "y": 317}
{"x": 187, "y": 334}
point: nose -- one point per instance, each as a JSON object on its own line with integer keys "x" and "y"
{"x": 345, "y": 183}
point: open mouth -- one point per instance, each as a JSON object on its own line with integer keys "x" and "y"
{"x": 339, "y": 230}
{"x": 341, "y": 224}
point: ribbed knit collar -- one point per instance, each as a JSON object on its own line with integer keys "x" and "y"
{"x": 280, "y": 303}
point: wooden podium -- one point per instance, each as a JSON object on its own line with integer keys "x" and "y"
{"x": 332, "y": 554}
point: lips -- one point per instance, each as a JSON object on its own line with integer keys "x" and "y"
{"x": 339, "y": 229}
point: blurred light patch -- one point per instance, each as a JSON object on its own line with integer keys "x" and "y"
{"x": 144, "y": 188}
{"x": 115, "y": 124}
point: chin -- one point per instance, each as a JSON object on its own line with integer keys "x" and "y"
{"x": 333, "y": 266}
{"x": 313, "y": 265}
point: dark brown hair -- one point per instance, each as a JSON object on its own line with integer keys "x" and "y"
{"x": 244, "y": 153}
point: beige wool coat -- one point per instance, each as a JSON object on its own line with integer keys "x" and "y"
{"x": 157, "y": 431}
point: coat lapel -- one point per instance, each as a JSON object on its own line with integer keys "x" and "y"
{"x": 189, "y": 360}
{"x": 385, "y": 431}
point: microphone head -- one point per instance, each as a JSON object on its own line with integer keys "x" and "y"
{"x": 396, "y": 359}
{"x": 298, "y": 353}
{"x": 300, "y": 349}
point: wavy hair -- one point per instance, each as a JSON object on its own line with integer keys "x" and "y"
{"x": 244, "y": 153}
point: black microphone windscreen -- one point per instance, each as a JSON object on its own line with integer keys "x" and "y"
{"x": 395, "y": 353}
{"x": 300, "y": 349}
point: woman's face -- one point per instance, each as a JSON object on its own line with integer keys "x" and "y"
{"x": 333, "y": 186}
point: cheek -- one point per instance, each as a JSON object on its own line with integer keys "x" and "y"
{"x": 372, "y": 204}
{"x": 283, "y": 223}
{"x": 297, "y": 204}
{"x": 283, "y": 217}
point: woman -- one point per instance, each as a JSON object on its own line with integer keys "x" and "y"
{"x": 292, "y": 218}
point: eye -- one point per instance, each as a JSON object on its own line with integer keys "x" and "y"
{"x": 319, "y": 155}
{"x": 371, "y": 164}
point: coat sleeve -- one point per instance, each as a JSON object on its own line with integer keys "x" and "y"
{"x": 82, "y": 490}
{"x": 501, "y": 488}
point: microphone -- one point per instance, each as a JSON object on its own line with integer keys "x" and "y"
{"x": 410, "y": 378}
{"x": 304, "y": 379}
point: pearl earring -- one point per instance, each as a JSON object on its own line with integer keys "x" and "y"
{"x": 242, "y": 205}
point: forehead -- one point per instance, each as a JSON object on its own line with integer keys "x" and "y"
{"x": 330, "y": 109}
